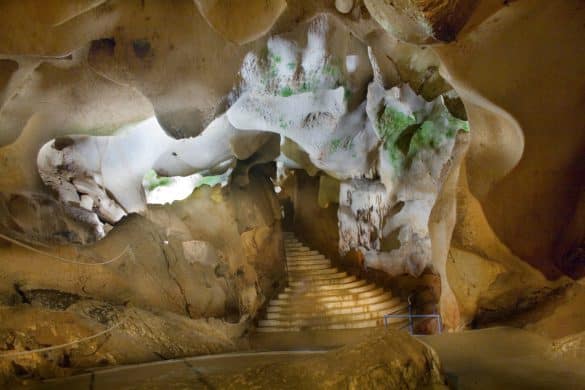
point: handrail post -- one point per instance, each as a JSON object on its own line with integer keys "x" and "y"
{"x": 410, "y": 321}
{"x": 439, "y": 320}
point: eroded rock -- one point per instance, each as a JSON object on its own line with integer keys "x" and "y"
{"x": 387, "y": 359}
{"x": 422, "y": 21}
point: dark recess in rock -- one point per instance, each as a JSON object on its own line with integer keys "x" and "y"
{"x": 62, "y": 142}
{"x": 52, "y": 299}
{"x": 105, "y": 45}
{"x": 141, "y": 47}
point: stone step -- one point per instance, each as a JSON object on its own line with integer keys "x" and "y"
{"x": 308, "y": 260}
{"x": 294, "y": 249}
{"x": 389, "y": 307}
{"x": 319, "y": 320}
{"x": 308, "y": 276}
{"x": 305, "y": 257}
{"x": 286, "y": 303}
{"x": 302, "y": 255}
{"x": 344, "y": 285}
{"x": 342, "y": 322}
{"x": 320, "y": 296}
{"x": 319, "y": 279}
{"x": 300, "y": 249}
{"x": 323, "y": 307}
{"x": 395, "y": 323}
{"x": 334, "y": 296}
{"x": 310, "y": 269}
{"x": 340, "y": 278}
{"x": 302, "y": 259}
{"x": 353, "y": 287}
{"x": 314, "y": 263}
{"x": 296, "y": 263}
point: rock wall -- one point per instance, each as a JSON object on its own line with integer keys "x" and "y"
{"x": 524, "y": 106}
{"x": 195, "y": 274}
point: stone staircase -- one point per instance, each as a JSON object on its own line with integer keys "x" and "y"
{"x": 320, "y": 297}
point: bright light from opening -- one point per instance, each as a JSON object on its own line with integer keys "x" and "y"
{"x": 163, "y": 190}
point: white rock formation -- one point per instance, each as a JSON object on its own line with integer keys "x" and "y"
{"x": 417, "y": 144}
{"x": 106, "y": 174}
{"x": 306, "y": 95}
{"x": 363, "y": 207}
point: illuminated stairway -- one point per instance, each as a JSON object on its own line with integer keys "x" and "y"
{"x": 320, "y": 297}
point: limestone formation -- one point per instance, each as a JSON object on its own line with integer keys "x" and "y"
{"x": 152, "y": 151}
{"x": 98, "y": 333}
{"x": 232, "y": 19}
{"x": 422, "y": 21}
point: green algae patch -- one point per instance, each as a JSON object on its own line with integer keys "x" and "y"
{"x": 425, "y": 137}
{"x": 272, "y": 77}
{"x": 391, "y": 126}
{"x": 405, "y": 135}
{"x": 286, "y": 91}
{"x": 346, "y": 93}
{"x": 210, "y": 181}
{"x": 337, "y": 144}
{"x": 152, "y": 180}
{"x": 392, "y": 123}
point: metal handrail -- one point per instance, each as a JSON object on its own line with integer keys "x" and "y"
{"x": 411, "y": 318}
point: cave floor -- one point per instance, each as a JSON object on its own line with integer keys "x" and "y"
{"x": 494, "y": 358}
{"x": 504, "y": 358}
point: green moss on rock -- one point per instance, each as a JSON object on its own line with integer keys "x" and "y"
{"x": 152, "y": 180}
{"x": 406, "y": 135}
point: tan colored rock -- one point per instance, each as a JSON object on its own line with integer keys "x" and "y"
{"x": 152, "y": 261}
{"x": 525, "y": 159}
{"x": 84, "y": 333}
{"x": 503, "y": 282}
{"x": 254, "y": 240}
{"x": 38, "y": 218}
{"x": 201, "y": 252}
{"x": 401, "y": 62}
{"x": 571, "y": 346}
{"x": 241, "y": 21}
{"x": 344, "y": 6}
{"x": 58, "y": 26}
{"x": 441, "y": 223}
{"x": 423, "y": 21}
{"x": 385, "y": 359}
